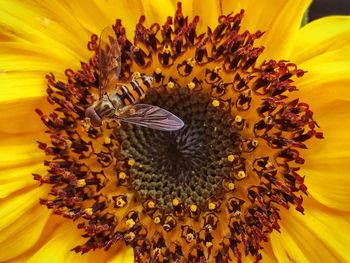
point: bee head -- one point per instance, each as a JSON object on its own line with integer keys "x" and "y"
{"x": 91, "y": 114}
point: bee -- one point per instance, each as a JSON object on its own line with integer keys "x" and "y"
{"x": 121, "y": 102}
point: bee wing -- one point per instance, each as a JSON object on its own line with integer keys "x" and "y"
{"x": 150, "y": 116}
{"x": 109, "y": 60}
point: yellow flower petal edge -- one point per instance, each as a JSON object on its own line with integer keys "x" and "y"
{"x": 320, "y": 37}
{"x": 327, "y": 77}
{"x": 279, "y": 19}
{"x": 317, "y": 236}
{"x": 14, "y": 113}
{"x": 17, "y": 152}
{"x": 17, "y": 204}
{"x": 16, "y": 178}
{"x": 23, "y": 233}
{"x": 61, "y": 242}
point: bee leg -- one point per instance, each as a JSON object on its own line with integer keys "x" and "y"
{"x": 118, "y": 124}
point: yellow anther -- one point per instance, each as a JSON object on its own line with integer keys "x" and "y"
{"x": 268, "y": 120}
{"x": 122, "y": 175}
{"x": 238, "y": 118}
{"x": 156, "y": 220}
{"x": 175, "y": 202}
{"x": 189, "y": 237}
{"x": 120, "y": 202}
{"x": 255, "y": 143}
{"x": 216, "y": 103}
{"x": 231, "y": 186}
{"x": 130, "y": 236}
{"x": 71, "y": 213}
{"x": 193, "y": 208}
{"x": 208, "y": 244}
{"x": 136, "y": 75}
{"x": 89, "y": 211}
{"x": 158, "y": 71}
{"x": 170, "y": 85}
{"x": 130, "y": 223}
{"x": 217, "y": 69}
{"x": 81, "y": 183}
{"x": 107, "y": 140}
{"x": 69, "y": 143}
{"x": 151, "y": 204}
{"x": 131, "y": 162}
{"x": 211, "y": 206}
{"x": 231, "y": 158}
{"x": 87, "y": 126}
{"x": 166, "y": 49}
{"x": 191, "y": 85}
{"x": 191, "y": 61}
{"x": 268, "y": 165}
{"x": 241, "y": 174}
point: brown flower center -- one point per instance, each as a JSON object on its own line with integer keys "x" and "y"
{"x": 189, "y": 164}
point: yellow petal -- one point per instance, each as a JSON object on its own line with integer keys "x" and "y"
{"x": 157, "y": 11}
{"x": 21, "y": 85}
{"x": 18, "y": 204}
{"x": 12, "y": 180}
{"x": 39, "y": 40}
{"x": 19, "y": 154}
{"x": 208, "y": 13}
{"x": 315, "y": 237}
{"x": 50, "y": 25}
{"x": 23, "y": 232}
{"x": 59, "y": 244}
{"x": 327, "y": 77}
{"x": 286, "y": 249}
{"x": 279, "y": 19}
{"x": 321, "y": 36}
{"x": 327, "y": 161}
{"x": 15, "y": 116}
{"x": 95, "y": 15}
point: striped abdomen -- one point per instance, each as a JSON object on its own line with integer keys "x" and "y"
{"x": 132, "y": 92}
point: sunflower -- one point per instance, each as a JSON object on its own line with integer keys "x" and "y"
{"x": 258, "y": 172}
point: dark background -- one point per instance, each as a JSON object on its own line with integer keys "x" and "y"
{"x": 320, "y": 8}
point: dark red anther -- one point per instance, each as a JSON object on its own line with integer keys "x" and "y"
{"x": 165, "y": 58}
{"x": 184, "y": 68}
{"x": 191, "y": 34}
{"x": 237, "y": 254}
{"x": 93, "y": 43}
{"x": 167, "y": 29}
{"x": 212, "y": 76}
{"x": 179, "y": 20}
{"x": 279, "y": 200}
{"x": 244, "y": 101}
{"x": 201, "y": 53}
{"x": 50, "y": 79}
{"x": 139, "y": 56}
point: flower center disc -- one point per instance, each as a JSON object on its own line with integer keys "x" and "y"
{"x": 187, "y": 164}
